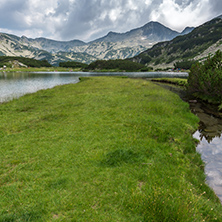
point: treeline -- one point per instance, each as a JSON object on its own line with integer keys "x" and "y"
{"x": 5, "y": 61}
{"x": 72, "y": 64}
{"x": 185, "y": 64}
{"x": 123, "y": 65}
{"x": 111, "y": 65}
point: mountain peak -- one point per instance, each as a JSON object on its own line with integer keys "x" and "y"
{"x": 152, "y": 31}
{"x": 111, "y": 33}
{"x": 219, "y": 17}
{"x": 187, "y": 30}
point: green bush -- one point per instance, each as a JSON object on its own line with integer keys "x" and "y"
{"x": 205, "y": 80}
{"x": 185, "y": 64}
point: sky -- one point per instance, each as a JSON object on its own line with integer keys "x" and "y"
{"x": 88, "y": 20}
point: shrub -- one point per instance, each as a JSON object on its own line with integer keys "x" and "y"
{"x": 185, "y": 64}
{"x": 205, "y": 80}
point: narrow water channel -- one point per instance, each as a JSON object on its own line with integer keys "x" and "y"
{"x": 209, "y": 134}
{"x": 210, "y": 146}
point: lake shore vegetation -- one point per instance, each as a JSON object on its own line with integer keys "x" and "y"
{"x": 118, "y": 65}
{"x": 205, "y": 79}
{"x": 175, "y": 81}
{"x": 105, "y": 149}
{"x": 16, "y": 61}
{"x": 73, "y": 65}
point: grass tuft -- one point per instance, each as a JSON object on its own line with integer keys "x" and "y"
{"x": 119, "y": 157}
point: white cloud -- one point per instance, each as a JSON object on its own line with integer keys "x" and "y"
{"x": 90, "y": 19}
{"x": 178, "y": 16}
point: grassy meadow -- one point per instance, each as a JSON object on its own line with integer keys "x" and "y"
{"x": 105, "y": 149}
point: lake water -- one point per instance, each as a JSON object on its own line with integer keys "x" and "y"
{"x": 14, "y": 85}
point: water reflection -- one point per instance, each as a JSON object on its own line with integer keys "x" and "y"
{"x": 14, "y": 85}
{"x": 210, "y": 125}
{"x": 209, "y": 135}
{"x": 210, "y": 146}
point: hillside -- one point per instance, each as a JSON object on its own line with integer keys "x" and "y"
{"x": 197, "y": 45}
{"x": 12, "y": 61}
{"x": 40, "y": 49}
{"x": 112, "y": 46}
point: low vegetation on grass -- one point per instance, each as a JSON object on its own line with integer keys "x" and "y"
{"x": 105, "y": 149}
{"x": 175, "y": 81}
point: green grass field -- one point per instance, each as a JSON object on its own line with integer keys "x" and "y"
{"x": 105, "y": 149}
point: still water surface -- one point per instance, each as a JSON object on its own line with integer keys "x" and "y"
{"x": 14, "y": 85}
{"x": 210, "y": 146}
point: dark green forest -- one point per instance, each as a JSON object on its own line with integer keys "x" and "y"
{"x": 72, "y": 64}
{"x": 4, "y": 60}
{"x": 118, "y": 65}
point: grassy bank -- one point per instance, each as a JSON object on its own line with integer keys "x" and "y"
{"x": 174, "y": 81}
{"x": 105, "y": 149}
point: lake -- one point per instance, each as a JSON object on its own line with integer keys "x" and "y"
{"x": 14, "y": 85}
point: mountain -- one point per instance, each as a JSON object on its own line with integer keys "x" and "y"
{"x": 112, "y": 46}
{"x": 152, "y": 32}
{"x": 51, "y": 45}
{"x": 41, "y": 49}
{"x": 195, "y": 45}
{"x": 187, "y": 30}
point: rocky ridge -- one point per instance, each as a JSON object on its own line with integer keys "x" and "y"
{"x": 112, "y": 46}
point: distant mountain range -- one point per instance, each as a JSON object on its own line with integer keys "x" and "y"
{"x": 196, "y": 45}
{"x": 112, "y": 46}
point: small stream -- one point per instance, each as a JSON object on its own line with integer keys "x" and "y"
{"x": 210, "y": 146}
{"x": 209, "y": 134}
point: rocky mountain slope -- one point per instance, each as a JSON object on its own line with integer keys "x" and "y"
{"x": 112, "y": 46}
{"x": 198, "y": 44}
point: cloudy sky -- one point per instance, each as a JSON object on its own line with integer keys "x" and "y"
{"x": 90, "y": 19}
